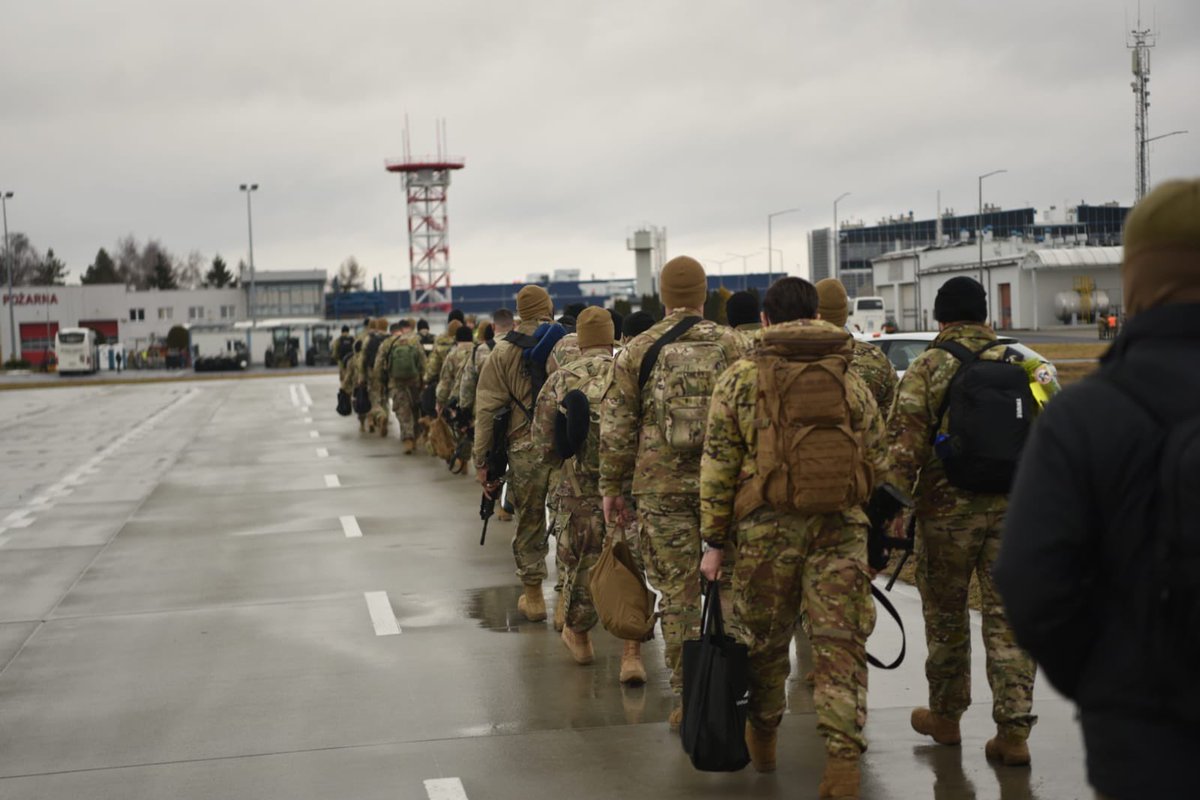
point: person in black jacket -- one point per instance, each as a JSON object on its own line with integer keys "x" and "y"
{"x": 1078, "y": 566}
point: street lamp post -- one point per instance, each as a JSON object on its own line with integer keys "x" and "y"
{"x": 979, "y": 235}
{"x": 835, "y": 249}
{"x": 248, "y": 188}
{"x": 770, "y": 255}
{"x": 12, "y": 324}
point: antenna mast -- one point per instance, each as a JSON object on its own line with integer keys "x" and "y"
{"x": 1140, "y": 40}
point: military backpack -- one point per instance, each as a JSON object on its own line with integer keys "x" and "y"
{"x": 370, "y": 350}
{"x": 809, "y": 456}
{"x": 402, "y": 363}
{"x": 682, "y": 376}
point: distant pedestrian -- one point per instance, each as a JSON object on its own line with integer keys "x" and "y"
{"x": 118, "y": 360}
{"x": 1100, "y": 563}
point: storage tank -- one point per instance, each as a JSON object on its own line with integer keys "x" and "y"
{"x": 1072, "y": 307}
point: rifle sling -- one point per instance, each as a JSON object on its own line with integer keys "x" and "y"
{"x": 651, "y": 358}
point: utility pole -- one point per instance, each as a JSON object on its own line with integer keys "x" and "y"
{"x": 12, "y": 325}
{"x": 248, "y": 188}
{"x": 770, "y": 250}
{"x": 979, "y": 234}
{"x": 835, "y": 250}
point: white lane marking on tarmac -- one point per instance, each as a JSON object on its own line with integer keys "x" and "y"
{"x": 332, "y": 482}
{"x": 350, "y": 527}
{"x": 308, "y": 420}
{"x": 16, "y": 515}
{"x": 24, "y": 522}
{"x": 305, "y": 397}
{"x": 295, "y": 395}
{"x": 380, "y": 609}
{"x": 314, "y": 434}
{"x": 322, "y": 452}
{"x": 445, "y": 789}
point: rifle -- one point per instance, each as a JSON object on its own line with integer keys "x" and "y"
{"x": 881, "y": 509}
{"x": 497, "y": 466}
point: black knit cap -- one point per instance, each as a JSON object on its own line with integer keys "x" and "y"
{"x": 463, "y": 334}
{"x": 960, "y": 299}
{"x": 741, "y": 308}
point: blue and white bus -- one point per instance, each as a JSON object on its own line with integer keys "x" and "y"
{"x": 76, "y": 350}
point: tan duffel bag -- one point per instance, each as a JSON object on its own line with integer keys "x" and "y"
{"x": 622, "y": 599}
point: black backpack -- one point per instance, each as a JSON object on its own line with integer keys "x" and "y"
{"x": 372, "y": 349}
{"x": 991, "y": 411}
{"x": 1171, "y": 617}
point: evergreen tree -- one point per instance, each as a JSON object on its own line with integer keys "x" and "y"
{"x": 163, "y": 274}
{"x": 102, "y": 270}
{"x": 49, "y": 271}
{"x": 218, "y": 276}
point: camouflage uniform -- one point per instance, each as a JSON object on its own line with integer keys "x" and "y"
{"x": 666, "y": 482}
{"x": 341, "y": 346}
{"x": 442, "y": 346}
{"x": 564, "y": 352}
{"x": 748, "y": 333}
{"x": 470, "y": 376}
{"x": 870, "y": 364}
{"x": 452, "y": 367}
{"x": 358, "y": 373}
{"x": 577, "y": 491}
{"x": 958, "y": 534}
{"x": 406, "y": 395}
{"x": 502, "y": 380}
{"x": 380, "y": 390}
{"x": 785, "y": 558}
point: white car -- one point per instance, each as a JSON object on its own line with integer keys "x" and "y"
{"x": 902, "y": 348}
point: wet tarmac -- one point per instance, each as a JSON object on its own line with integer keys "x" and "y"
{"x": 201, "y": 598}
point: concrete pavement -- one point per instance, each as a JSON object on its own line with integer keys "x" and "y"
{"x": 222, "y": 589}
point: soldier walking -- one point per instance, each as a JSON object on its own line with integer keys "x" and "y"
{"x": 652, "y": 432}
{"x": 868, "y": 361}
{"x": 505, "y": 383}
{"x": 959, "y": 533}
{"x": 405, "y": 367}
{"x": 801, "y": 534}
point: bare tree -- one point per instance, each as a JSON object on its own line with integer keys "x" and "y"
{"x": 24, "y": 258}
{"x": 190, "y": 272}
{"x": 350, "y": 276}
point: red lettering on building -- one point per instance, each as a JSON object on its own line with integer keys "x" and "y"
{"x": 23, "y": 299}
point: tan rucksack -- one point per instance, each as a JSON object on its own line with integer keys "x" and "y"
{"x": 809, "y": 458}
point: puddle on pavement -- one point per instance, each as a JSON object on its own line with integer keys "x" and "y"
{"x": 495, "y": 608}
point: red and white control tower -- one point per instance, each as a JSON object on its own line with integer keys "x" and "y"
{"x": 426, "y": 181}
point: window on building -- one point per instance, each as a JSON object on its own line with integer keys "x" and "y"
{"x": 136, "y": 314}
{"x": 195, "y": 312}
{"x": 228, "y": 312}
{"x": 166, "y": 312}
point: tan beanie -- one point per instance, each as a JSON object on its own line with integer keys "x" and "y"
{"x": 1162, "y": 248}
{"x": 683, "y": 284}
{"x": 833, "y": 305}
{"x": 533, "y": 304}
{"x": 453, "y": 327}
{"x": 594, "y": 327}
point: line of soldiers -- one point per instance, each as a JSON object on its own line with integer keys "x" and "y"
{"x": 691, "y": 427}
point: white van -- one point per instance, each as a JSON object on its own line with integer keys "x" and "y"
{"x": 867, "y": 314}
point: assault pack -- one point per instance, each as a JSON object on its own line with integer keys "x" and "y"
{"x": 991, "y": 410}
{"x": 402, "y": 365}
{"x": 684, "y": 374}
{"x": 809, "y": 456}
{"x": 370, "y": 350}
{"x": 535, "y": 350}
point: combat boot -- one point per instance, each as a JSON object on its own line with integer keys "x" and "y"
{"x": 580, "y": 646}
{"x": 409, "y": 446}
{"x": 503, "y": 515}
{"x": 560, "y": 611}
{"x": 840, "y": 781}
{"x": 633, "y": 671}
{"x": 675, "y": 720}
{"x": 1005, "y": 747}
{"x": 532, "y": 604}
{"x": 942, "y": 729}
{"x": 761, "y": 745}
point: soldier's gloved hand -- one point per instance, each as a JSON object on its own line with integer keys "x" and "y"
{"x": 481, "y": 476}
{"x": 710, "y": 563}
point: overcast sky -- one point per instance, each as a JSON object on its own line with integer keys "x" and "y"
{"x": 578, "y": 121}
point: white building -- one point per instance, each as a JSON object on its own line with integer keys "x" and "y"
{"x": 1028, "y": 286}
{"x": 135, "y": 319}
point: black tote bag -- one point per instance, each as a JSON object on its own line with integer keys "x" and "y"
{"x": 715, "y": 693}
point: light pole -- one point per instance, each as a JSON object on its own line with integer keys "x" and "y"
{"x": 1144, "y": 182}
{"x": 770, "y": 255}
{"x": 720, "y": 269}
{"x": 835, "y": 249}
{"x": 12, "y": 325}
{"x": 979, "y": 235}
{"x": 248, "y": 188}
